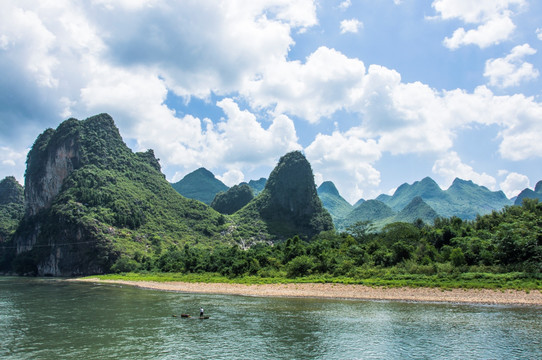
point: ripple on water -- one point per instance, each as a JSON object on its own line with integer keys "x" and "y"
{"x": 49, "y": 319}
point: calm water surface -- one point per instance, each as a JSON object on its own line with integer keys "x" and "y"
{"x": 56, "y": 319}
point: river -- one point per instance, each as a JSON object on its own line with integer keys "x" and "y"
{"x": 57, "y": 319}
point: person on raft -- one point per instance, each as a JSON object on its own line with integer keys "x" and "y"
{"x": 201, "y": 312}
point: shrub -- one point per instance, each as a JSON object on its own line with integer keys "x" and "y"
{"x": 300, "y": 266}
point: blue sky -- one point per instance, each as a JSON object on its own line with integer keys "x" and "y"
{"x": 375, "y": 93}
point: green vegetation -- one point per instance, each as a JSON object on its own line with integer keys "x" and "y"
{"x": 333, "y": 202}
{"x": 11, "y": 207}
{"x": 112, "y": 210}
{"x": 11, "y": 212}
{"x": 288, "y": 205}
{"x": 115, "y": 208}
{"x": 502, "y": 250}
{"x": 390, "y": 279}
{"x": 232, "y": 200}
{"x": 200, "y": 185}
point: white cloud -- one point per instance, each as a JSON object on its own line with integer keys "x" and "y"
{"x": 346, "y": 160}
{"x": 312, "y": 90}
{"x": 26, "y": 38}
{"x": 345, "y": 4}
{"x": 228, "y": 42}
{"x": 450, "y": 166}
{"x": 232, "y": 177}
{"x": 136, "y": 102}
{"x": 474, "y": 12}
{"x": 12, "y": 162}
{"x": 490, "y": 33}
{"x": 514, "y": 184}
{"x": 123, "y": 57}
{"x": 511, "y": 70}
{"x": 351, "y": 26}
{"x": 539, "y": 33}
{"x": 407, "y": 118}
{"x": 493, "y": 17}
{"x": 245, "y": 141}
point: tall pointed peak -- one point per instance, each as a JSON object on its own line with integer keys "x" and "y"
{"x": 328, "y": 187}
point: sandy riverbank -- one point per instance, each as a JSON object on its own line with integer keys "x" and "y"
{"x": 340, "y": 291}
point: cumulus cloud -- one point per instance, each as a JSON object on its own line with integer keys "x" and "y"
{"x": 124, "y": 57}
{"x": 539, "y": 33}
{"x": 232, "y": 177}
{"x": 346, "y": 160}
{"x": 492, "y": 18}
{"x": 228, "y": 42}
{"x": 345, "y": 4}
{"x": 511, "y": 70}
{"x": 406, "y": 117}
{"x": 351, "y": 26}
{"x": 12, "y": 162}
{"x": 127, "y": 57}
{"x": 315, "y": 89}
{"x": 245, "y": 141}
{"x": 514, "y": 184}
{"x": 450, "y": 166}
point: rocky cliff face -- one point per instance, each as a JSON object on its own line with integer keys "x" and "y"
{"x": 46, "y": 242}
{"x": 94, "y": 206}
{"x": 55, "y": 164}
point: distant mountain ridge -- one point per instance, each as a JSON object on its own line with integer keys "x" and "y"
{"x": 423, "y": 200}
{"x": 463, "y": 198}
{"x": 530, "y": 194}
{"x": 337, "y": 206}
{"x": 257, "y": 186}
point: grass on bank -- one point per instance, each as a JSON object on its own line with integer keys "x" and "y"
{"x": 469, "y": 280}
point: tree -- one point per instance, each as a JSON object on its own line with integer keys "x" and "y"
{"x": 300, "y": 266}
{"x": 361, "y": 230}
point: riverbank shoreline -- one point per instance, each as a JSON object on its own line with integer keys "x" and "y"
{"x": 342, "y": 291}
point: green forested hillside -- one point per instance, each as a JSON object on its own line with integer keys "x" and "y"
{"x": 416, "y": 210}
{"x": 200, "y": 185}
{"x": 11, "y": 207}
{"x": 427, "y": 189}
{"x": 115, "y": 210}
{"x": 498, "y": 250}
{"x": 232, "y": 200}
{"x": 469, "y": 200}
{"x": 370, "y": 210}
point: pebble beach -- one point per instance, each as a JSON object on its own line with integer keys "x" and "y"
{"x": 342, "y": 291}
